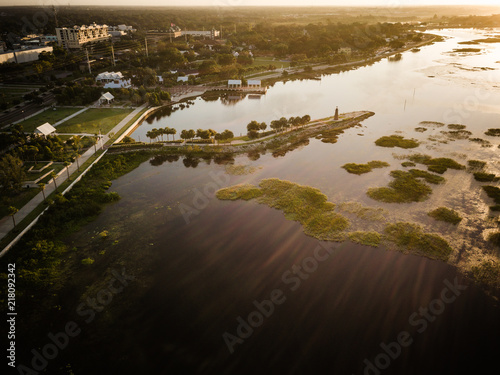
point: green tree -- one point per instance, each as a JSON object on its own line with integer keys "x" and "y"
{"x": 11, "y": 173}
{"x": 41, "y": 185}
{"x": 53, "y": 175}
{"x": 253, "y": 125}
{"x": 12, "y": 211}
{"x": 67, "y": 164}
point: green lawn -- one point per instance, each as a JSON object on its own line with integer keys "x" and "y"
{"x": 93, "y": 120}
{"x": 49, "y": 116}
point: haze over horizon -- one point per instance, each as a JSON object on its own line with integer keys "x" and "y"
{"x": 378, "y": 3}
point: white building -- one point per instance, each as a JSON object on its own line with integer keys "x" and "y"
{"x": 76, "y": 36}
{"x": 254, "y": 83}
{"x": 23, "y": 56}
{"x": 113, "y": 80}
{"x": 45, "y": 129}
{"x": 211, "y": 34}
{"x": 106, "y": 98}
{"x": 234, "y": 83}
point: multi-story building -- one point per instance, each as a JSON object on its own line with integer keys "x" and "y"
{"x": 77, "y": 36}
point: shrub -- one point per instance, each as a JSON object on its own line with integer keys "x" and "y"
{"x": 88, "y": 261}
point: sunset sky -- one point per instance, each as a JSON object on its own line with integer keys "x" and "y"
{"x": 249, "y": 2}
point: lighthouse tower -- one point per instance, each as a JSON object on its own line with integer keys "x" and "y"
{"x": 336, "y": 114}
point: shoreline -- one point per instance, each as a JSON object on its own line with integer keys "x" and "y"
{"x": 277, "y": 141}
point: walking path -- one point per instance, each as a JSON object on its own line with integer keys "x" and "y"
{"x": 6, "y": 224}
{"x": 70, "y": 116}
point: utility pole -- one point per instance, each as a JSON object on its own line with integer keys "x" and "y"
{"x": 220, "y": 32}
{"x": 88, "y": 61}
{"x": 146, "y": 43}
{"x": 113, "y": 53}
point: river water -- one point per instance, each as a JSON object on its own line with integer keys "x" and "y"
{"x": 202, "y": 265}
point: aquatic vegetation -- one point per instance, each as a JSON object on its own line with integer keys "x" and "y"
{"x": 493, "y": 132}
{"x": 420, "y": 129}
{"x": 487, "y": 273}
{"x": 304, "y": 204}
{"x": 365, "y": 238}
{"x": 493, "y": 192}
{"x": 407, "y": 164}
{"x": 241, "y": 191}
{"x": 445, "y": 214}
{"x": 456, "y": 126}
{"x": 330, "y": 136}
{"x": 431, "y": 123}
{"x": 396, "y": 141}
{"x": 240, "y": 170}
{"x": 363, "y": 212}
{"x": 406, "y": 187}
{"x": 457, "y": 134}
{"x": 495, "y": 238}
{"x": 411, "y": 238}
{"x": 364, "y": 168}
{"x": 467, "y": 50}
{"x": 438, "y": 165}
{"x": 486, "y": 177}
{"x": 482, "y": 142}
{"x": 476, "y": 164}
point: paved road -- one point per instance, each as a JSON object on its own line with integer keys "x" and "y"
{"x": 25, "y": 110}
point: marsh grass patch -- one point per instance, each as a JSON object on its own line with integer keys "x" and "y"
{"x": 304, "y": 204}
{"x": 406, "y": 187}
{"x": 493, "y": 132}
{"x": 364, "y": 168}
{"x": 486, "y": 177}
{"x": 476, "y": 164}
{"x": 396, "y": 141}
{"x": 241, "y": 191}
{"x": 363, "y": 212}
{"x": 436, "y": 124}
{"x": 412, "y": 238}
{"x": 446, "y": 214}
{"x": 437, "y": 165}
{"x": 456, "y": 126}
{"x": 365, "y": 238}
{"x": 240, "y": 170}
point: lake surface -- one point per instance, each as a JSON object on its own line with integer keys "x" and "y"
{"x": 202, "y": 264}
